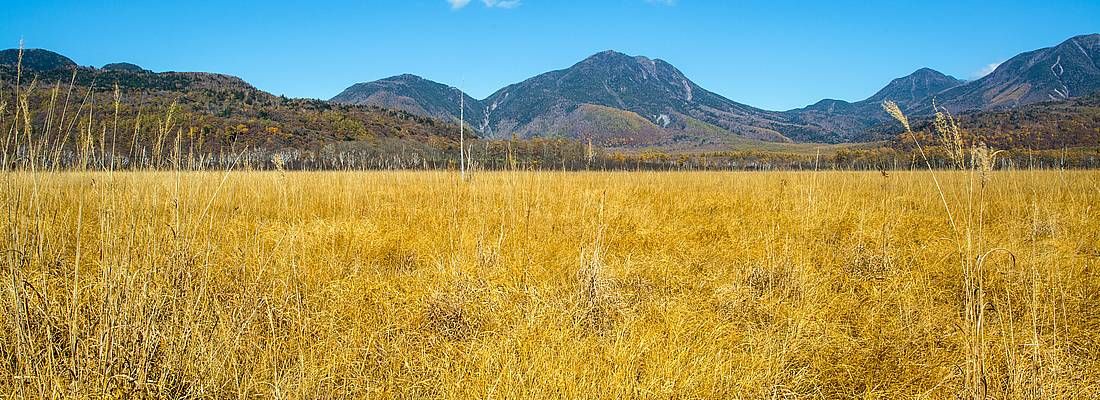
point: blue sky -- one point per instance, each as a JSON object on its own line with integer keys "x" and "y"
{"x": 770, "y": 54}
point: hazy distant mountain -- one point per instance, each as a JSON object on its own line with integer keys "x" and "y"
{"x": 913, "y": 89}
{"x": 1070, "y": 69}
{"x": 416, "y": 95}
{"x": 35, "y": 60}
{"x": 841, "y": 121}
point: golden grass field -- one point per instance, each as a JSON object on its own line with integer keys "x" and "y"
{"x": 308, "y": 285}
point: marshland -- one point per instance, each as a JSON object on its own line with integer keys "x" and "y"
{"x": 283, "y": 284}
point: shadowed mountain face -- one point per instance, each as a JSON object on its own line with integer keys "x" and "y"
{"x": 1070, "y": 69}
{"x": 415, "y": 95}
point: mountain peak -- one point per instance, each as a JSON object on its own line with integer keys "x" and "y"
{"x": 650, "y": 89}
{"x": 615, "y": 57}
{"x": 925, "y": 71}
{"x": 404, "y": 78}
{"x": 827, "y": 105}
{"x": 915, "y": 87}
{"x": 416, "y": 95}
{"x": 607, "y": 56}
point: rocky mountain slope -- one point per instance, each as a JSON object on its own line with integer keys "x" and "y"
{"x": 1070, "y": 69}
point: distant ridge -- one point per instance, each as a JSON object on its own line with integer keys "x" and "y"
{"x": 553, "y": 103}
{"x": 123, "y": 67}
{"x": 227, "y": 112}
{"x": 841, "y": 121}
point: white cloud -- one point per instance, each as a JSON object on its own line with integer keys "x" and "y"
{"x": 457, "y": 4}
{"x": 986, "y": 70}
{"x": 501, "y": 3}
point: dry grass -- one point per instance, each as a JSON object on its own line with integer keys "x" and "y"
{"x": 548, "y": 285}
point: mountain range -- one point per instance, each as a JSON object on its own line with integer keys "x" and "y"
{"x": 611, "y": 99}
{"x": 621, "y": 100}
